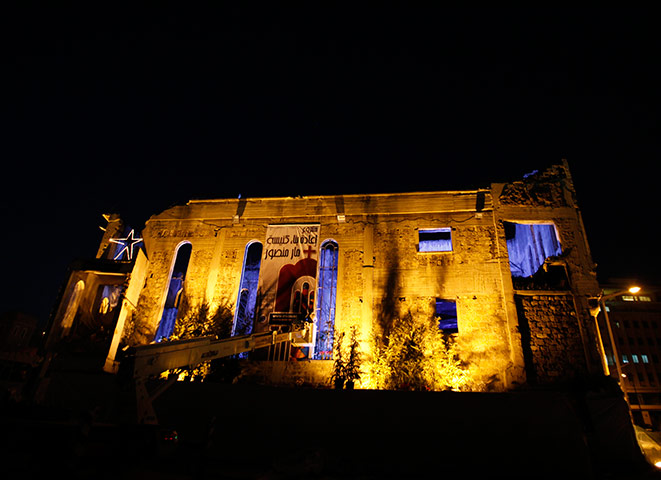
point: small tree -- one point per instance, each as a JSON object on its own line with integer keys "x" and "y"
{"x": 200, "y": 320}
{"x": 346, "y": 359}
{"x": 354, "y": 357}
{"x": 337, "y": 376}
{"x": 416, "y": 355}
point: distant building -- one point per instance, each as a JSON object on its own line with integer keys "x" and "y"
{"x": 18, "y": 353}
{"x": 636, "y": 326}
{"x": 16, "y": 331}
{"x": 505, "y": 270}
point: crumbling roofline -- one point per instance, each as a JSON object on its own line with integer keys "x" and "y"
{"x": 345, "y": 196}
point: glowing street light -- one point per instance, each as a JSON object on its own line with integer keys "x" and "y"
{"x": 616, "y": 357}
{"x": 602, "y": 307}
{"x": 632, "y": 290}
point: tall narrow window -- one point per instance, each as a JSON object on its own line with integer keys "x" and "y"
{"x": 175, "y": 292}
{"x": 326, "y": 293}
{"x": 72, "y": 307}
{"x": 244, "y": 316}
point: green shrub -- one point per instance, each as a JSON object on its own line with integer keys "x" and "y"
{"x": 416, "y": 355}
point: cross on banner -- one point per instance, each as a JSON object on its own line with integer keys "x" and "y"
{"x": 288, "y": 270}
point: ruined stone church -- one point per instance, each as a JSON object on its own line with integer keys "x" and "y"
{"x": 504, "y": 270}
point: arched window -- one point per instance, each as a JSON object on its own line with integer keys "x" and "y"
{"x": 244, "y": 316}
{"x": 326, "y": 293}
{"x": 175, "y": 292}
{"x": 72, "y": 307}
{"x": 302, "y": 300}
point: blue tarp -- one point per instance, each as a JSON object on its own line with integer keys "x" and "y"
{"x": 529, "y": 245}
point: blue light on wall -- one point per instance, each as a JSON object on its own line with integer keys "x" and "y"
{"x": 435, "y": 240}
{"x": 175, "y": 292}
{"x": 245, "y": 311}
{"x": 446, "y": 313}
{"x": 326, "y": 295}
{"x": 529, "y": 245}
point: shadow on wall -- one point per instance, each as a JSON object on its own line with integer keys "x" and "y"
{"x": 388, "y": 310}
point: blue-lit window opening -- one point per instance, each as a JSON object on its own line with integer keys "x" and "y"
{"x": 529, "y": 245}
{"x": 446, "y": 314}
{"x": 435, "y": 240}
{"x": 175, "y": 292}
{"x": 244, "y": 316}
{"x": 326, "y": 295}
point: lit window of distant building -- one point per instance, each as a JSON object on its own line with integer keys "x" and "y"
{"x": 636, "y": 298}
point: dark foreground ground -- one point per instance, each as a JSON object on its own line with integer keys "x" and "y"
{"x": 255, "y": 432}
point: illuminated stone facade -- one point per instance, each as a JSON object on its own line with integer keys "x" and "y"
{"x": 506, "y": 327}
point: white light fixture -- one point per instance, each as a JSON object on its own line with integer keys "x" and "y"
{"x": 127, "y": 244}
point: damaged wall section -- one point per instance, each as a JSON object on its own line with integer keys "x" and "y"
{"x": 552, "y": 274}
{"x": 529, "y": 245}
{"x": 551, "y": 338}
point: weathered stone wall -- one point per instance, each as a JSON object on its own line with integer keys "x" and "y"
{"x": 550, "y": 188}
{"x": 549, "y": 196}
{"x": 406, "y": 280}
{"x": 382, "y": 275}
{"x": 162, "y": 241}
{"x": 552, "y": 339}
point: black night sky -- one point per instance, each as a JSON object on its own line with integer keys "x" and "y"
{"x": 132, "y": 111}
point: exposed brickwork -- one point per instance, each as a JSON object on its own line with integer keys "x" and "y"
{"x": 548, "y": 189}
{"x": 551, "y": 338}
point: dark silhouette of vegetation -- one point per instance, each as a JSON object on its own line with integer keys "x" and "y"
{"x": 200, "y": 320}
{"x": 346, "y": 359}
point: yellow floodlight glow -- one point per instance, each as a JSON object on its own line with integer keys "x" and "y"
{"x": 658, "y": 464}
{"x": 634, "y": 290}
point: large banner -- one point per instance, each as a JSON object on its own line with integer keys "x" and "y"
{"x": 287, "y": 279}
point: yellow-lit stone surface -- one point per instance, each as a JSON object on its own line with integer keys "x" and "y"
{"x": 381, "y": 273}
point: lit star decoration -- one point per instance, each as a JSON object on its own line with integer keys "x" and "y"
{"x": 127, "y": 245}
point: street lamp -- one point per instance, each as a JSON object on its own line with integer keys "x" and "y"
{"x": 633, "y": 384}
{"x": 616, "y": 357}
